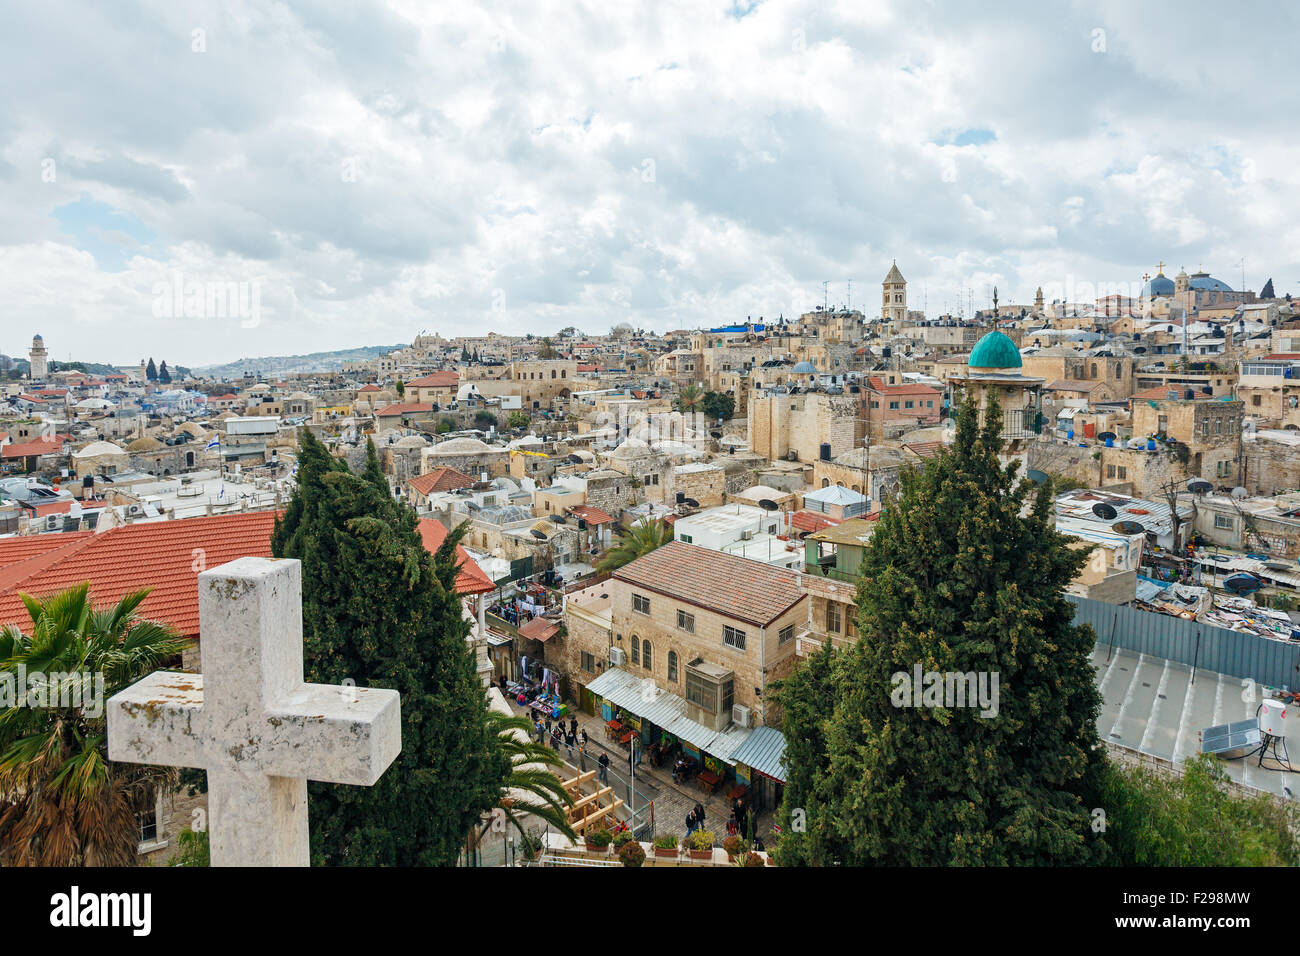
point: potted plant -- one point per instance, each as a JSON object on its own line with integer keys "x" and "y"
{"x": 632, "y": 854}
{"x": 622, "y": 839}
{"x": 599, "y": 841}
{"x": 701, "y": 845}
{"x": 753, "y": 859}
{"x": 734, "y": 846}
{"x": 666, "y": 845}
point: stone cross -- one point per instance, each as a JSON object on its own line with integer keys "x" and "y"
{"x": 251, "y": 722}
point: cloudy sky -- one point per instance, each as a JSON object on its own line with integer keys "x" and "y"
{"x": 346, "y": 173}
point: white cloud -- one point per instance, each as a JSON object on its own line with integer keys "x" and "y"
{"x": 381, "y": 169}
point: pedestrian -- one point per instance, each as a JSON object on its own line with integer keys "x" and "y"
{"x": 573, "y": 726}
{"x": 537, "y": 730}
{"x": 699, "y": 815}
{"x": 557, "y": 736}
{"x": 690, "y": 822}
{"x": 604, "y": 767}
{"x": 584, "y": 736}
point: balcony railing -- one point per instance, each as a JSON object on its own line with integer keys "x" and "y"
{"x": 830, "y": 571}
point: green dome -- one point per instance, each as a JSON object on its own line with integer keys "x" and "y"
{"x": 995, "y": 350}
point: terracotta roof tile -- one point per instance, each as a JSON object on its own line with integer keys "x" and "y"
{"x": 440, "y": 479}
{"x": 470, "y": 578}
{"x": 436, "y": 380}
{"x": 590, "y": 514}
{"x": 746, "y": 590}
{"x": 811, "y": 521}
{"x": 404, "y": 408}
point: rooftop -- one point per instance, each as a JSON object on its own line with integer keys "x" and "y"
{"x": 735, "y": 587}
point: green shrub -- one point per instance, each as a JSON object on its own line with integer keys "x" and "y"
{"x": 632, "y": 854}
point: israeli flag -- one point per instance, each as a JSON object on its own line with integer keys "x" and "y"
{"x": 214, "y": 443}
{"x": 222, "y": 493}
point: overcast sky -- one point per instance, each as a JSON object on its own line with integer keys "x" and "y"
{"x": 370, "y": 170}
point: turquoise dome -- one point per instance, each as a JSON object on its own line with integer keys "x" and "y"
{"x": 995, "y": 350}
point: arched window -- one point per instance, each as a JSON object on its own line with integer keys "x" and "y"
{"x": 636, "y": 650}
{"x": 672, "y": 667}
{"x": 826, "y": 482}
{"x": 647, "y": 655}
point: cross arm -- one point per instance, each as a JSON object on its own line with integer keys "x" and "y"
{"x": 156, "y": 721}
{"x": 333, "y": 734}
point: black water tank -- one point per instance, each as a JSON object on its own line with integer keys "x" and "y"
{"x": 826, "y": 451}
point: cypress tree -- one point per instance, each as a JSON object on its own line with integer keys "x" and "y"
{"x": 806, "y": 699}
{"x": 964, "y": 574}
{"x": 381, "y": 611}
{"x": 164, "y": 376}
{"x": 151, "y": 371}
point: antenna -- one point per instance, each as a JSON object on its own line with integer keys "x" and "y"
{"x": 849, "y": 306}
{"x": 826, "y": 300}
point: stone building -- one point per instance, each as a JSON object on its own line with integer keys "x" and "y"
{"x": 806, "y": 426}
{"x": 468, "y": 455}
{"x": 701, "y": 482}
{"x": 893, "y": 299}
{"x": 1209, "y": 429}
{"x": 710, "y": 627}
{"x": 39, "y": 359}
{"x": 995, "y": 370}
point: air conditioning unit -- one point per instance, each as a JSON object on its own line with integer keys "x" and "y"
{"x": 617, "y": 657}
{"x": 133, "y": 509}
{"x": 741, "y": 716}
{"x": 746, "y": 535}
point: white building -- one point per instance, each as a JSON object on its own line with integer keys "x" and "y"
{"x": 746, "y": 532}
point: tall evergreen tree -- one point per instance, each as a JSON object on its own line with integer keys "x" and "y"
{"x": 151, "y": 371}
{"x": 381, "y": 611}
{"x": 806, "y": 699}
{"x": 164, "y": 376}
{"x": 964, "y": 575}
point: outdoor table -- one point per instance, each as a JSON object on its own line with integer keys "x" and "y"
{"x": 625, "y": 738}
{"x": 708, "y": 780}
{"x": 739, "y": 790}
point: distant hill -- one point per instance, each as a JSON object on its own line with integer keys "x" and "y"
{"x": 270, "y": 365}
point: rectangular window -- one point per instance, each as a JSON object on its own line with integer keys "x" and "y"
{"x": 686, "y": 622}
{"x": 686, "y": 538}
{"x": 893, "y": 406}
{"x": 640, "y": 604}
{"x": 785, "y": 635}
{"x": 1224, "y": 522}
{"x": 1110, "y": 471}
{"x": 733, "y": 638}
{"x": 907, "y": 404}
{"x": 588, "y": 663}
{"x": 832, "y": 617}
{"x": 1123, "y": 472}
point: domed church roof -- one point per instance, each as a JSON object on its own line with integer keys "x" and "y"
{"x": 995, "y": 350}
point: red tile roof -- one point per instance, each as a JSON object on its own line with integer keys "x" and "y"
{"x": 38, "y": 446}
{"x": 444, "y": 379}
{"x": 440, "y": 479}
{"x": 924, "y": 449}
{"x": 811, "y": 521}
{"x": 877, "y": 384}
{"x": 162, "y": 555}
{"x": 736, "y": 587}
{"x": 368, "y": 388}
{"x": 593, "y": 516}
{"x": 405, "y": 408}
{"x": 470, "y": 578}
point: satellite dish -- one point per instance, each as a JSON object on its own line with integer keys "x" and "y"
{"x": 1240, "y": 492}
{"x": 538, "y": 534}
{"x": 1104, "y": 435}
{"x": 768, "y": 504}
{"x": 691, "y": 502}
{"x": 716, "y": 434}
{"x": 1103, "y": 510}
{"x": 1199, "y": 486}
{"x": 1037, "y": 477}
{"x": 1128, "y": 527}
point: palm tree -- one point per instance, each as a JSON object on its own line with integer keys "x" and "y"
{"x": 62, "y": 803}
{"x": 642, "y": 538}
{"x": 689, "y": 398}
{"x": 530, "y": 788}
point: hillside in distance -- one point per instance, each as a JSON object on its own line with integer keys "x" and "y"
{"x": 284, "y": 364}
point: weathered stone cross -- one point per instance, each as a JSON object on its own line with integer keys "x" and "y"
{"x": 258, "y": 731}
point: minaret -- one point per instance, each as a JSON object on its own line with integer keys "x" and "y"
{"x": 1038, "y": 301}
{"x": 893, "y": 300}
{"x": 39, "y": 358}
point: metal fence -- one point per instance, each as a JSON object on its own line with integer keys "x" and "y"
{"x": 1266, "y": 661}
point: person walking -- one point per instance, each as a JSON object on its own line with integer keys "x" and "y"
{"x": 604, "y": 767}
{"x": 690, "y": 822}
{"x": 584, "y": 736}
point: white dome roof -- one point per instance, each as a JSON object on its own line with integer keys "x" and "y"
{"x": 97, "y": 448}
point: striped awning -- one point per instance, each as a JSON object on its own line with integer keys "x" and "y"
{"x": 643, "y": 698}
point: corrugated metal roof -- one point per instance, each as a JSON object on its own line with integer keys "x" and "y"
{"x": 763, "y": 751}
{"x": 642, "y": 697}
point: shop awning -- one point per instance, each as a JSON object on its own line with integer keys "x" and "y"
{"x": 762, "y": 751}
{"x": 667, "y": 711}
